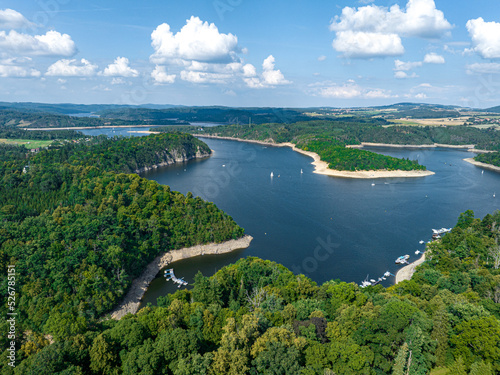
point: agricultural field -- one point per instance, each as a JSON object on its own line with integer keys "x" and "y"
{"x": 28, "y": 143}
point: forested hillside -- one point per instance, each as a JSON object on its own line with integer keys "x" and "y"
{"x": 257, "y": 317}
{"x": 127, "y": 155}
{"x": 492, "y": 158}
{"x": 79, "y": 232}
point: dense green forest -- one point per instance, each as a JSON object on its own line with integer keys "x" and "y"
{"x": 257, "y": 317}
{"x": 78, "y": 231}
{"x": 14, "y": 133}
{"x": 492, "y": 158}
{"x": 127, "y": 155}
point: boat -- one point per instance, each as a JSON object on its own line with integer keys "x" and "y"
{"x": 402, "y": 259}
{"x": 417, "y": 252}
{"x": 443, "y": 230}
{"x": 494, "y": 195}
{"x": 373, "y": 184}
{"x": 169, "y": 275}
{"x": 301, "y": 171}
{"x": 272, "y": 174}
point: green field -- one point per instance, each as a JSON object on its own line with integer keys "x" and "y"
{"x": 28, "y": 143}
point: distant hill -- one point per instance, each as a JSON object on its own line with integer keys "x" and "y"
{"x": 70, "y": 109}
{"x": 493, "y": 109}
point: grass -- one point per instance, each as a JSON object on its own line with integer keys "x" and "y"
{"x": 28, "y": 143}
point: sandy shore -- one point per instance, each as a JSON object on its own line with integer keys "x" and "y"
{"x": 132, "y": 300}
{"x": 470, "y": 148}
{"x": 483, "y": 165}
{"x": 143, "y": 132}
{"x": 407, "y": 272}
{"x": 321, "y": 167}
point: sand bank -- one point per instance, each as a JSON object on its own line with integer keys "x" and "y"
{"x": 143, "y": 132}
{"x": 407, "y": 272}
{"x": 321, "y": 167}
{"x": 483, "y": 165}
{"x": 132, "y": 300}
{"x": 470, "y": 148}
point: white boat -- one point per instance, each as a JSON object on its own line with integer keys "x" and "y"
{"x": 402, "y": 259}
{"x": 443, "y": 230}
{"x": 421, "y": 242}
{"x": 387, "y": 274}
{"x": 301, "y": 171}
{"x": 494, "y": 195}
{"x": 373, "y": 281}
{"x": 417, "y": 252}
{"x": 373, "y": 184}
{"x": 169, "y": 275}
{"x": 272, "y": 174}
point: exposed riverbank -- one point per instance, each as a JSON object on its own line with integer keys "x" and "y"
{"x": 483, "y": 165}
{"x": 321, "y": 167}
{"x": 132, "y": 300}
{"x": 407, "y": 272}
{"x": 470, "y": 148}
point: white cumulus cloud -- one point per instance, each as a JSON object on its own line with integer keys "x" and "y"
{"x": 120, "y": 68}
{"x": 434, "y": 58}
{"x": 197, "y": 40}
{"x": 374, "y": 31}
{"x": 17, "y": 71}
{"x": 51, "y": 43}
{"x": 270, "y": 76}
{"x": 72, "y": 68}
{"x": 161, "y": 77}
{"x": 11, "y": 19}
{"x": 485, "y": 37}
{"x": 359, "y": 44}
{"x": 402, "y": 65}
{"x": 349, "y": 90}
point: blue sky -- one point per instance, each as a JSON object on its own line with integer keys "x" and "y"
{"x": 251, "y": 53}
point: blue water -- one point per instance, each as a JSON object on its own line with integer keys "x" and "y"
{"x": 326, "y": 227}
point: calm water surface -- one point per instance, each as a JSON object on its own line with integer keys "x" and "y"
{"x": 325, "y": 227}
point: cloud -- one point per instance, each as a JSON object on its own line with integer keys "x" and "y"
{"x": 403, "y": 75}
{"x": 485, "y": 68}
{"x": 433, "y": 58}
{"x": 359, "y": 44}
{"x": 120, "y": 68}
{"x": 10, "y": 19}
{"x": 160, "y": 76}
{"x": 348, "y": 90}
{"x": 402, "y": 65}
{"x": 322, "y": 58}
{"x": 485, "y": 38}
{"x": 270, "y": 77}
{"x": 71, "y": 68}
{"x": 204, "y": 77}
{"x": 17, "y": 71}
{"x": 196, "y": 41}
{"x": 374, "y": 31}
{"x": 50, "y": 44}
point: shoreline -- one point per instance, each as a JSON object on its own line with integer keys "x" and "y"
{"x": 469, "y": 148}
{"x": 490, "y": 167}
{"x": 132, "y": 300}
{"x": 407, "y": 271}
{"x": 198, "y": 155}
{"x": 321, "y": 167}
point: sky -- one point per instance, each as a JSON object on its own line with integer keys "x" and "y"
{"x": 244, "y": 53}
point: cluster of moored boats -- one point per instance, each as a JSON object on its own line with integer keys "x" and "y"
{"x": 169, "y": 275}
{"x": 403, "y": 259}
{"x": 372, "y": 282}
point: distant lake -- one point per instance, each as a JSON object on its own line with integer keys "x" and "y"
{"x": 326, "y": 227}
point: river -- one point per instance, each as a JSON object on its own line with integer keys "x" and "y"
{"x": 325, "y": 227}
